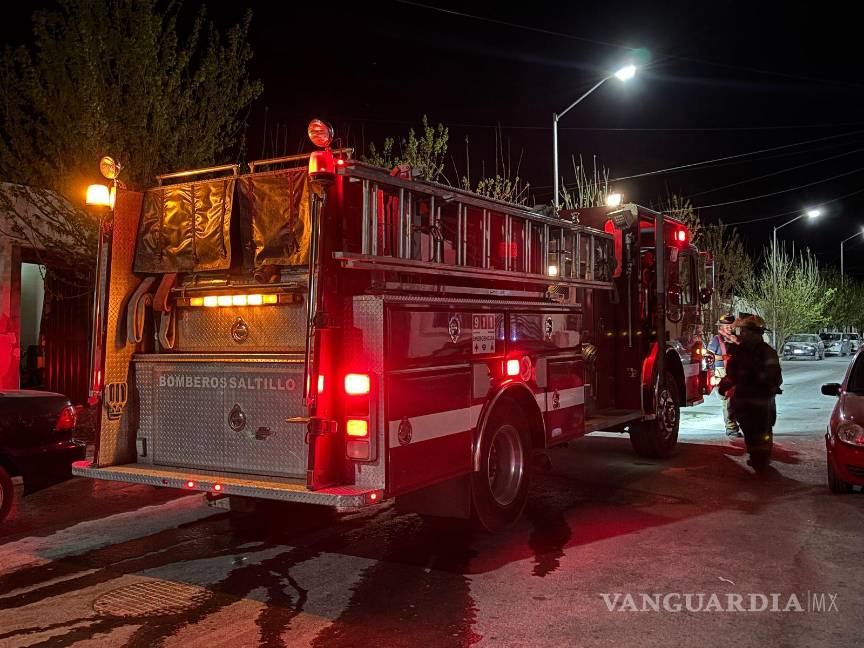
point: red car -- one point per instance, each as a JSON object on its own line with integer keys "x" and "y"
{"x": 845, "y": 437}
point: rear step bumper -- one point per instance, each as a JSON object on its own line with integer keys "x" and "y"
{"x": 275, "y": 488}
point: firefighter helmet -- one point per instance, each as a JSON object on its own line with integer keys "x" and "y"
{"x": 726, "y": 319}
{"x": 752, "y": 322}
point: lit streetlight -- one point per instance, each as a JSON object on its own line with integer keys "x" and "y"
{"x": 811, "y": 214}
{"x": 100, "y": 201}
{"x": 623, "y": 74}
{"x": 842, "y": 245}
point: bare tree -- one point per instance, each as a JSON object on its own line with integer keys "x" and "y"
{"x": 791, "y": 287}
{"x": 591, "y": 188}
{"x": 425, "y": 154}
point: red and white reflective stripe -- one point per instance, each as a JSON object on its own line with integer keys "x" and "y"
{"x": 570, "y": 397}
{"x": 440, "y": 424}
{"x": 437, "y": 425}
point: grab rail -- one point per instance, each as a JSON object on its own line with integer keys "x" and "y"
{"x": 234, "y": 168}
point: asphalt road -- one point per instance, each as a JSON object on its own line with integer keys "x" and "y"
{"x": 99, "y": 564}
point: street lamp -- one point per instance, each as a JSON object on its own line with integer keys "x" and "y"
{"x": 100, "y": 200}
{"x": 842, "y": 244}
{"x": 613, "y": 199}
{"x": 811, "y": 214}
{"x": 623, "y": 74}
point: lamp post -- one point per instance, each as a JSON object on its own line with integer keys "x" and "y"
{"x": 623, "y": 74}
{"x": 100, "y": 202}
{"x": 810, "y": 214}
{"x": 842, "y": 245}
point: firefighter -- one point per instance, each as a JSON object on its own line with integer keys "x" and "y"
{"x": 753, "y": 379}
{"x": 720, "y": 346}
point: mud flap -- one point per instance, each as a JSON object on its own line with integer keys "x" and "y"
{"x": 448, "y": 499}
{"x": 326, "y": 454}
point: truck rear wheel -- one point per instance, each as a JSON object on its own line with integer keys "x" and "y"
{"x": 657, "y": 438}
{"x": 499, "y": 489}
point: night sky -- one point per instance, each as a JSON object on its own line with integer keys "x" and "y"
{"x": 724, "y": 78}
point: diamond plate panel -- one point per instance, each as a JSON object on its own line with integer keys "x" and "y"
{"x": 268, "y": 445}
{"x": 116, "y": 443}
{"x": 185, "y": 407}
{"x": 368, "y": 316}
{"x": 280, "y": 329}
{"x": 143, "y": 407}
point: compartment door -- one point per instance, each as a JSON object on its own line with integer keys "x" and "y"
{"x": 565, "y": 400}
{"x": 258, "y": 400}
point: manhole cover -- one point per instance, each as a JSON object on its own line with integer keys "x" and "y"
{"x": 151, "y": 598}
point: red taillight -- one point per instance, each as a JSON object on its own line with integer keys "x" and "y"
{"x": 67, "y": 420}
{"x": 512, "y": 367}
{"x": 321, "y": 164}
{"x": 357, "y": 428}
{"x": 357, "y": 384}
{"x": 681, "y": 236}
{"x": 190, "y": 484}
{"x": 217, "y": 488}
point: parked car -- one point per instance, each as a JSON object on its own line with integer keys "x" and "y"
{"x": 844, "y": 440}
{"x": 803, "y": 345}
{"x": 837, "y": 343}
{"x": 37, "y": 442}
{"x": 854, "y": 342}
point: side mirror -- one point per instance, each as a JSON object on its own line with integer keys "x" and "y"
{"x": 709, "y": 270}
{"x": 705, "y": 295}
{"x": 674, "y": 311}
{"x": 673, "y": 295}
{"x": 831, "y": 389}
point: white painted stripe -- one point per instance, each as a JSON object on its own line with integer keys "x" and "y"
{"x": 437, "y": 425}
{"x": 571, "y": 397}
{"x": 441, "y": 424}
{"x": 541, "y": 400}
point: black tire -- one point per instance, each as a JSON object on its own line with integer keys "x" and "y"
{"x": 499, "y": 489}
{"x": 7, "y": 493}
{"x": 835, "y": 484}
{"x": 657, "y": 439}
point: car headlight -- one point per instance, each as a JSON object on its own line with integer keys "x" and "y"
{"x": 851, "y": 433}
{"x": 787, "y": 348}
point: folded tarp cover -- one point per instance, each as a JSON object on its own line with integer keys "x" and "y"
{"x": 276, "y": 217}
{"x": 186, "y": 227}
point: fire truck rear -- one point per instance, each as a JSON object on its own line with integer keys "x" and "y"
{"x": 322, "y": 331}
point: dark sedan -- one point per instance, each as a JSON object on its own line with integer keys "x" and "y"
{"x": 37, "y": 442}
{"x": 803, "y": 345}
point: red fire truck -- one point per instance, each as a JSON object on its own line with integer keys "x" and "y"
{"x": 323, "y": 331}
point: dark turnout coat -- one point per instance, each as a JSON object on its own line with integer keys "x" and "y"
{"x": 753, "y": 378}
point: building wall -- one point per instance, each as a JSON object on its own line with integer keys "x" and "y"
{"x": 24, "y": 205}
{"x": 10, "y": 314}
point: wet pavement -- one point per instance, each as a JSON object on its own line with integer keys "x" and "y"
{"x": 101, "y": 564}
